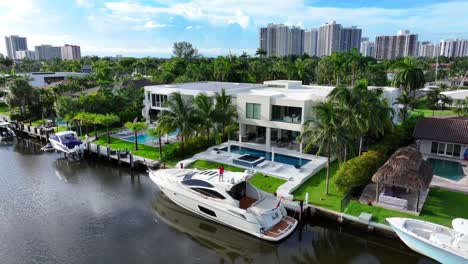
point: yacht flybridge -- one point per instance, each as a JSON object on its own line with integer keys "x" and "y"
{"x": 233, "y": 202}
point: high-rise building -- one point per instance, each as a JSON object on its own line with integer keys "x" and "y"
{"x": 280, "y": 40}
{"x": 364, "y": 39}
{"x": 70, "y": 52}
{"x": 368, "y": 48}
{"x": 426, "y": 49}
{"x": 350, "y": 38}
{"x": 402, "y": 45}
{"x": 22, "y": 54}
{"x": 15, "y": 43}
{"x": 47, "y": 52}
{"x": 295, "y": 41}
{"x": 311, "y": 42}
{"x": 454, "y": 48}
{"x": 329, "y": 38}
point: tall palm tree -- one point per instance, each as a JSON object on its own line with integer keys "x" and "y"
{"x": 409, "y": 75}
{"x": 179, "y": 115}
{"x": 358, "y": 63}
{"x": 107, "y": 121}
{"x": 326, "y": 131}
{"x": 205, "y": 111}
{"x": 339, "y": 65}
{"x": 136, "y": 127}
{"x": 405, "y": 100}
{"x": 158, "y": 132}
{"x": 225, "y": 111}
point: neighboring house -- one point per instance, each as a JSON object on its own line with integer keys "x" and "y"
{"x": 271, "y": 114}
{"x": 42, "y": 79}
{"x": 456, "y": 95}
{"x": 445, "y": 137}
{"x": 156, "y": 95}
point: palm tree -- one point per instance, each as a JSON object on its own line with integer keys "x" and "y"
{"x": 326, "y": 131}
{"x": 179, "y": 115}
{"x": 107, "y": 121}
{"x": 461, "y": 107}
{"x": 136, "y": 127}
{"x": 339, "y": 65}
{"x": 225, "y": 111}
{"x": 260, "y": 52}
{"x": 436, "y": 100}
{"x": 158, "y": 132}
{"x": 205, "y": 111}
{"x": 409, "y": 76}
{"x": 405, "y": 100}
{"x": 358, "y": 63}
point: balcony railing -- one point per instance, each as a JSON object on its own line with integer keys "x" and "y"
{"x": 288, "y": 119}
{"x": 158, "y": 104}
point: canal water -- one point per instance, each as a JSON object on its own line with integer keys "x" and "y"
{"x": 57, "y": 211}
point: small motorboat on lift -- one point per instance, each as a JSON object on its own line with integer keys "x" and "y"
{"x": 441, "y": 243}
{"x": 67, "y": 142}
{"x": 6, "y": 133}
{"x": 232, "y": 201}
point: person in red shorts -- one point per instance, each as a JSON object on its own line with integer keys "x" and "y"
{"x": 221, "y": 173}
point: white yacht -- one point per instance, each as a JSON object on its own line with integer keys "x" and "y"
{"x": 233, "y": 202}
{"x": 438, "y": 242}
{"x": 66, "y": 142}
{"x": 6, "y": 133}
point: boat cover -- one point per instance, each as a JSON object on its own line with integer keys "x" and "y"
{"x": 460, "y": 225}
{"x": 68, "y": 140}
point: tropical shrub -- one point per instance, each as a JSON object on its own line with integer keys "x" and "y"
{"x": 356, "y": 172}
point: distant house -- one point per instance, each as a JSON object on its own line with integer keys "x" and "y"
{"x": 446, "y": 137}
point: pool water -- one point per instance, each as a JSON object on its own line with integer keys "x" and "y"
{"x": 145, "y": 137}
{"x": 447, "y": 169}
{"x": 267, "y": 155}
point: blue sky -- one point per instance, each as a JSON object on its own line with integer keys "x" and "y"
{"x": 216, "y": 27}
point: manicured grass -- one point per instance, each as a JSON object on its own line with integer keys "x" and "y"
{"x": 315, "y": 186}
{"x": 4, "y": 110}
{"x": 143, "y": 150}
{"x": 263, "y": 182}
{"x": 429, "y": 113}
{"x": 266, "y": 183}
{"x": 441, "y": 207}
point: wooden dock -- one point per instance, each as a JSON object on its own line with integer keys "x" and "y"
{"x": 33, "y": 131}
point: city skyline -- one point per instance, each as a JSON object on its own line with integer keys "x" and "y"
{"x": 148, "y": 28}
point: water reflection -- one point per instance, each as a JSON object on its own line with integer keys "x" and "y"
{"x": 227, "y": 242}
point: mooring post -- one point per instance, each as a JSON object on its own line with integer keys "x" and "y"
{"x": 301, "y": 205}
{"x": 130, "y": 156}
{"x": 118, "y": 156}
{"x": 108, "y": 153}
{"x": 98, "y": 149}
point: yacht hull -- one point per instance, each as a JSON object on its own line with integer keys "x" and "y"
{"x": 200, "y": 206}
{"x": 424, "y": 247}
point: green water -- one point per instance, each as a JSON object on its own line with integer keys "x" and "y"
{"x": 447, "y": 169}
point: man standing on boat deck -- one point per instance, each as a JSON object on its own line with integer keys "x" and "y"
{"x": 221, "y": 173}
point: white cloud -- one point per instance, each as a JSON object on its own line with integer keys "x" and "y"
{"x": 151, "y": 24}
{"x": 188, "y": 27}
{"x": 85, "y": 3}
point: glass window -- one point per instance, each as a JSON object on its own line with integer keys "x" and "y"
{"x": 206, "y": 211}
{"x": 209, "y": 193}
{"x": 287, "y": 114}
{"x": 456, "y": 150}
{"x": 434, "y": 147}
{"x": 194, "y": 182}
{"x": 252, "y": 111}
{"x": 441, "y": 149}
{"x": 449, "y": 150}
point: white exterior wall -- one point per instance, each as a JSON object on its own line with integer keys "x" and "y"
{"x": 38, "y": 80}
{"x": 426, "y": 145}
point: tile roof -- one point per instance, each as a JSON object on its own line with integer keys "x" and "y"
{"x": 443, "y": 129}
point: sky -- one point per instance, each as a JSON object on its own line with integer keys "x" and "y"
{"x": 142, "y": 28}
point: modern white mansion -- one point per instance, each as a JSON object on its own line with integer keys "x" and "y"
{"x": 270, "y": 114}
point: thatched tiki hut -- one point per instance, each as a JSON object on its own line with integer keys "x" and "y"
{"x": 404, "y": 174}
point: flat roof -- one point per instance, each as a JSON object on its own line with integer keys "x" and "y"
{"x": 206, "y": 87}
{"x": 458, "y": 94}
{"x": 305, "y": 93}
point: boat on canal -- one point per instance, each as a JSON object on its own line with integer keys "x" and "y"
{"x": 66, "y": 142}
{"x": 441, "y": 243}
{"x": 6, "y": 133}
{"x": 233, "y": 202}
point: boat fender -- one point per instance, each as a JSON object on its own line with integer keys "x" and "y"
{"x": 262, "y": 231}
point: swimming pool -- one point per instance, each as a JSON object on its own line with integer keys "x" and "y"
{"x": 145, "y": 137}
{"x": 447, "y": 169}
{"x": 267, "y": 155}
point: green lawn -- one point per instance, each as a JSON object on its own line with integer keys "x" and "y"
{"x": 143, "y": 150}
{"x": 441, "y": 207}
{"x": 429, "y": 113}
{"x": 315, "y": 186}
{"x": 263, "y": 182}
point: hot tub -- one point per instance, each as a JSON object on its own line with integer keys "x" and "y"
{"x": 248, "y": 160}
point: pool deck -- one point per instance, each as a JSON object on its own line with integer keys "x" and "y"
{"x": 441, "y": 182}
{"x": 294, "y": 176}
{"x": 151, "y": 143}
